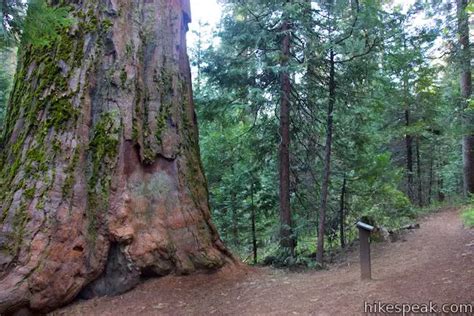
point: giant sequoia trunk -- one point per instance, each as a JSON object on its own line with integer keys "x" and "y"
{"x": 101, "y": 179}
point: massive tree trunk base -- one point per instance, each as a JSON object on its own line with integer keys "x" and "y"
{"x": 101, "y": 181}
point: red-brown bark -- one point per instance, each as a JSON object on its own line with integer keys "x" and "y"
{"x": 101, "y": 176}
{"x": 466, "y": 91}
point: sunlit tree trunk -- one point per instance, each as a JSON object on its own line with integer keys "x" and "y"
{"x": 101, "y": 178}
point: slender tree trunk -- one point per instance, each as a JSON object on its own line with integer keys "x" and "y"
{"x": 441, "y": 196}
{"x": 327, "y": 160}
{"x": 286, "y": 238}
{"x": 408, "y": 136}
{"x": 342, "y": 213}
{"x": 466, "y": 91}
{"x": 235, "y": 222}
{"x": 409, "y": 156}
{"x": 418, "y": 173}
{"x": 101, "y": 179}
{"x": 254, "y": 231}
{"x": 430, "y": 188}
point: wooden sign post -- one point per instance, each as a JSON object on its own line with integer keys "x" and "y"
{"x": 364, "y": 239}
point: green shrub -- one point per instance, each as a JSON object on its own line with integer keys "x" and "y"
{"x": 468, "y": 216}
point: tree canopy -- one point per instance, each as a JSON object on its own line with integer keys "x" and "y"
{"x": 382, "y": 82}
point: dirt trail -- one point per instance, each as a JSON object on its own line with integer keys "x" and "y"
{"x": 434, "y": 263}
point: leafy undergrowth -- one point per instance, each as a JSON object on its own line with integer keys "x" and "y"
{"x": 305, "y": 257}
{"x": 468, "y": 216}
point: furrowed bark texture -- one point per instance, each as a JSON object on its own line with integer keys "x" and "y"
{"x": 466, "y": 92}
{"x": 101, "y": 178}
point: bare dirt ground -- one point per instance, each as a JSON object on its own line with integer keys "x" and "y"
{"x": 433, "y": 263}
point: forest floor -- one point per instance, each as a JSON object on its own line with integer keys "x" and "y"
{"x": 434, "y": 263}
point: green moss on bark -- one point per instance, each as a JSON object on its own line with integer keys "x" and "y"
{"x": 41, "y": 105}
{"x": 103, "y": 152}
{"x": 20, "y": 220}
{"x": 164, "y": 81}
{"x": 70, "y": 176}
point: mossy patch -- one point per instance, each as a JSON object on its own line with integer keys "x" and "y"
{"x": 70, "y": 176}
{"x": 103, "y": 152}
{"x": 39, "y": 109}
